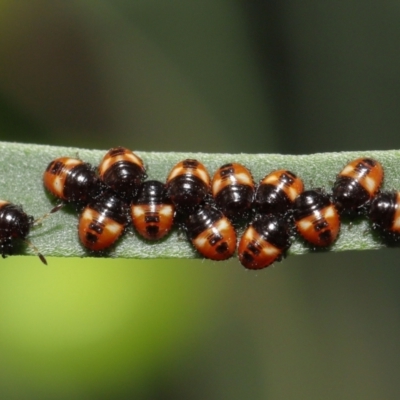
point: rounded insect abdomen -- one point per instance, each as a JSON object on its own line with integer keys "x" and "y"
{"x": 316, "y": 218}
{"x": 233, "y": 189}
{"x": 357, "y": 184}
{"x": 102, "y": 222}
{"x": 152, "y": 212}
{"x": 14, "y": 222}
{"x": 211, "y": 233}
{"x": 188, "y": 184}
{"x": 264, "y": 241}
{"x": 385, "y": 212}
{"x": 71, "y": 180}
{"x": 123, "y": 171}
{"x": 277, "y": 192}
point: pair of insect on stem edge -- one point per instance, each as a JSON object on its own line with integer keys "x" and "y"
{"x": 209, "y": 210}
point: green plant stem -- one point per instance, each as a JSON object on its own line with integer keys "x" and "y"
{"x": 22, "y": 167}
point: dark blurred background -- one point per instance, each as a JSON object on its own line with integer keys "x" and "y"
{"x": 212, "y": 76}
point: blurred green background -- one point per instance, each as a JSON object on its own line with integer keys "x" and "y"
{"x": 214, "y": 76}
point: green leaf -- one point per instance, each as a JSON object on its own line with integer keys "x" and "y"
{"x": 22, "y": 167}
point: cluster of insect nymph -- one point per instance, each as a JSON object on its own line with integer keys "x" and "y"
{"x": 116, "y": 195}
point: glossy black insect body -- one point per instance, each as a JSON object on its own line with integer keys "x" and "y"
{"x": 15, "y": 224}
{"x": 71, "y": 180}
{"x": 233, "y": 190}
{"x": 277, "y": 192}
{"x": 385, "y": 214}
{"x": 356, "y": 185}
{"x": 188, "y": 184}
{"x": 123, "y": 171}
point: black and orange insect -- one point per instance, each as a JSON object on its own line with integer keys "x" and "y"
{"x": 356, "y": 185}
{"x": 264, "y": 242}
{"x": 152, "y": 212}
{"x": 188, "y": 184}
{"x": 277, "y": 192}
{"x": 233, "y": 190}
{"x": 211, "y": 233}
{"x": 316, "y": 218}
{"x": 102, "y": 222}
{"x": 123, "y": 171}
{"x": 384, "y": 213}
{"x": 71, "y": 180}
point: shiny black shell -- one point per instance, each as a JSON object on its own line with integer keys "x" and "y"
{"x": 264, "y": 241}
{"x": 201, "y": 220}
{"x": 102, "y": 222}
{"x": 152, "y": 192}
{"x": 152, "y": 212}
{"x": 188, "y": 184}
{"x": 384, "y": 213}
{"x": 235, "y": 200}
{"x": 309, "y": 202}
{"x": 316, "y": 218}
{"x": 82, "y": 184}
{"x": 123, "y": 171}
{"x": 72, "y": 180}
{"x": 233, "y": 190}
{"x": 356, "y": 185}
{"x": 211, "y": 233}
{"x": 274, "y": 229}
{"x": 14, "y": 224}
{"x": 277, "y": 192}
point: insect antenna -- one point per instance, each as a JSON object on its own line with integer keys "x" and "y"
{"x": 36, "y": 250}
{"x": 52, "y": 211}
